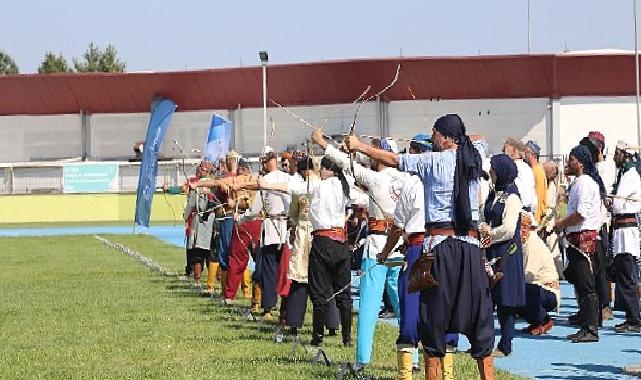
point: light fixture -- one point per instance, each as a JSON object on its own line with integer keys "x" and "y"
{"x": 264, "y": 57}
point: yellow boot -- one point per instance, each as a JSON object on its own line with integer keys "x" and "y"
{"x": 211, "y": 276}
{"x": 223, "y": 282}
{"x": 448, "y": 366}
{"x": 256, "y": 297}
{"x": 245, "y": 284}
{"x": 405, "y": 364}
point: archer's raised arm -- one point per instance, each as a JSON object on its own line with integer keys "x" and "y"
{"x": 387, "y": 158}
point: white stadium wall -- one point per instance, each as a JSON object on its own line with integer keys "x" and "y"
{"x": 112, "y": 136}
{"x": 615, "y": 117}
{"x": 38, "y": 138}
{"x": 495, "y": 119}
{"x": 289, "y": 131}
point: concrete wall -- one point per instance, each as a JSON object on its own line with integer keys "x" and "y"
{"x": 495, "y": 119}
{"x": 290, "y": 131}
{"x": 33, "y": 138}
{"x": 37, "y": 138}
{"x": 615, "y": 117}
{"x": 113, "y": 135}
{"x": 85, "y": 208}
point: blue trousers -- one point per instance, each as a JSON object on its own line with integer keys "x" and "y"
{"x": 224, "y": 242}
{"x": 460, "y": 303}
{"x": 507, "y": 318}
{"x": 408, "y": 302}
{"x": 538, "y": 302}
{"x": 409, "y": 305}
{"x": 269, "y": 262}
{"x": 372, "y": 284}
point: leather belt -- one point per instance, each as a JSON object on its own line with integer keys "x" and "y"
{"x": 334, "y": 233}
{"x": 628, "y": 215}
{"x": 624, "y": 220}
{"x": 416, "y": 238}
{"x": 376, "y": 226}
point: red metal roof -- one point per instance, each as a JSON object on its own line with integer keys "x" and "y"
{"x": 478, "y": 77}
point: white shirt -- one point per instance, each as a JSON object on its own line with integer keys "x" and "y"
{"x": 296, "y": 179}
{"x": 525, "y": 183}
{"x": 384, "y": 186}
{"x": 410, "y": 209}
{"x": 550, "y": 195}
{"x": 356, "y": 194}
{"x": 626, "y": 240}
{"x": 275, "y": 204}
{"x": 510, "y": 217}
{"x": 585, "y": 199}
{"x": 327, "y": 202}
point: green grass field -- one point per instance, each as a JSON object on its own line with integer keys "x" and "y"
{"x": 72, "y": 308}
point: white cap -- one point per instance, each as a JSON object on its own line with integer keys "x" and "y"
{"x": 624, "y": 146}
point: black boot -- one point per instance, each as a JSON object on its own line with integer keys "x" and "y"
{"x": 590, "y": 330}
{"x": 575, "y": 319}
{"x": 346, "y": 325}
{"x": 318, "y": 326}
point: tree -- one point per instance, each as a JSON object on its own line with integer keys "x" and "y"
{"x": 97, "y": 60}
{"x": 54, "y": 64}
{"x": 7, "y": 64}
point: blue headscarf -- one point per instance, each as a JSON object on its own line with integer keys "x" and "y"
{"x": 584, "y": 156}
{"x": 468, "y": 168}
{"x": 506, "y": 172}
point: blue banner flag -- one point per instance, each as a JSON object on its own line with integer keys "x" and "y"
{"x": 158, "y": 123}
{"x": 217, "y": 144}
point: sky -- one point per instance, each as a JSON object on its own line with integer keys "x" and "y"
{"x": 175, "y": 35}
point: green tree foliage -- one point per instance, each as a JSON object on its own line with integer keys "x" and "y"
{"x": 7, "y": 64}
{"x": 97, "y": 60}
{"x": 54, "y": 64}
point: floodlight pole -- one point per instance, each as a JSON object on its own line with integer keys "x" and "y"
{"x": 529, "y": 28}
{"x": 636, "y": 70}
{"x": 263, "y": 60}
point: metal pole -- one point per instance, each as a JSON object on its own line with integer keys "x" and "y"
{"x": 264, "y": 104}
{"x": 636, "y": 70}
{"x": 529, "y": 28}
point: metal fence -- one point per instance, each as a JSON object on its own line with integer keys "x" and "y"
{"x": 47, "y": 178}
